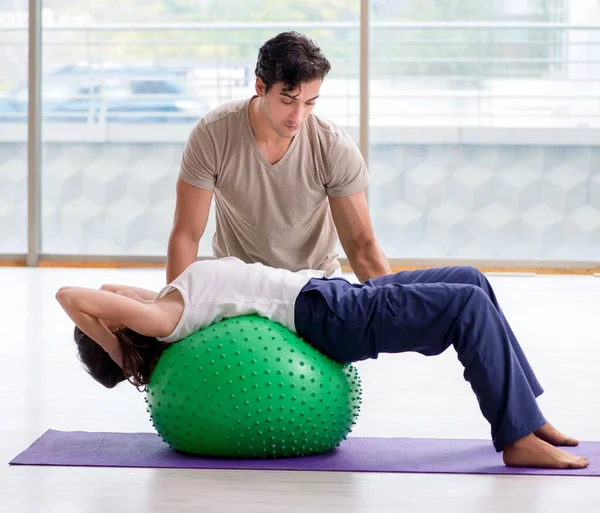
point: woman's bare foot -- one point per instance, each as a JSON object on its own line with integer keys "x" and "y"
{"x": 548, "y": 433}
{"x": 530, "y": 451}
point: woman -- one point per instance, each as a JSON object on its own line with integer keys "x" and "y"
{"x": 122, "y": 332}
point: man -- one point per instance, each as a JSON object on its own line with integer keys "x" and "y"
{"x": 286, "y": 183}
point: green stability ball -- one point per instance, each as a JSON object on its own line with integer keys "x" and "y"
{"x": 247, "y": 387}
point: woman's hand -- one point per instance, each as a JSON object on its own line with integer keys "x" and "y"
{"x": 141, "y": 295}
{"x": 134, "y": 295}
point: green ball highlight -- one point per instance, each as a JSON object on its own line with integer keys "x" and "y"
{"x": 247, "y": 387}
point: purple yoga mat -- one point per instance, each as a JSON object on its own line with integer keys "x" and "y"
{"x": 416, "y": 455}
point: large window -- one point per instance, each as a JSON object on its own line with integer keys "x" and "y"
{"x": 479, "y": 129}
{"x": 484, "y": 64}
{"x": 13, "y": 127}
{"x": 120, "y": 101}
{"x": 482, "y": 122}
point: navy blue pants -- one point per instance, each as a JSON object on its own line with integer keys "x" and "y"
{"x": 426, "y": 312}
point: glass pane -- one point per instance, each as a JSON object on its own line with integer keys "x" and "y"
{"x": 119, "y": 104}
{"x": 438, "y": 64}
{"x": 436, "y": 72}
{"x": 13, "y": 127}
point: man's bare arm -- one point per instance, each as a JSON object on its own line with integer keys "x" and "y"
{"x": 191, "y": 215}
{"x": 353, "y": 224}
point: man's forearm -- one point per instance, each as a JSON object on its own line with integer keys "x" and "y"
{"x": 181, "y": 253}
{"x": 369, "y": 262}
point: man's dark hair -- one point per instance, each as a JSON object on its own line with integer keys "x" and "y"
{"x": 291, "y": 58}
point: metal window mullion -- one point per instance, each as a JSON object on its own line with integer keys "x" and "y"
{"x": 34, "y": 153}
{"x": 363, "y": 124}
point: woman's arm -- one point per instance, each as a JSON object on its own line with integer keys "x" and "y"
{"x": 97, "y": 330}
{"x": 144, "y": 294}
{"x": 81, "y": 303}
{"x": 93, "y": 327}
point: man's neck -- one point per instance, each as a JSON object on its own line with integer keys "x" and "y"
{"x": 263, "y": 133}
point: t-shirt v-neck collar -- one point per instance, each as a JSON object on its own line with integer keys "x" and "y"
{"x": 286, "y": 156}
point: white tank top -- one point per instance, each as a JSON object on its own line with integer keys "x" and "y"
{"x": 228, "y": 287}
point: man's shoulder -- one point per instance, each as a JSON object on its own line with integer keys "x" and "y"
{"x": 225, "y": 111}
{"x": 326, "y": 132}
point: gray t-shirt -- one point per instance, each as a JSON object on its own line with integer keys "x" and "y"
{"x": 275, "y": 214}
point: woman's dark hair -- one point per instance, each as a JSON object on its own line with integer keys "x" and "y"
{"x": 140, "y": 356}
{"x": 291, "y": 58}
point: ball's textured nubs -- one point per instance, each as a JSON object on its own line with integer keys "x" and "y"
{"x": 247, "y": 387}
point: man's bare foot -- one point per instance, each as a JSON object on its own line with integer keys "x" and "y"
{"x": 548, "y": 433}
{"x": 530, "y": 451}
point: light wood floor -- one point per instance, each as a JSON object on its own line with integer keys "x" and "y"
{"x": 43, "y": 386}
